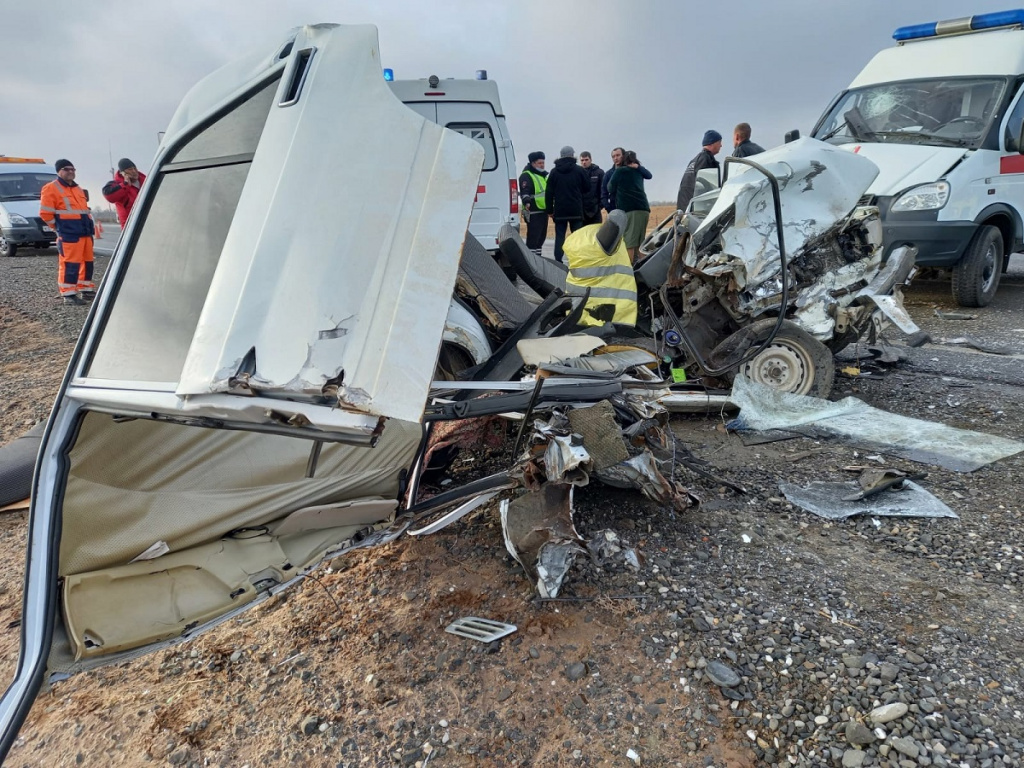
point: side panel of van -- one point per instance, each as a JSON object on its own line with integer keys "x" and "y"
{"x": 478, "y": 122}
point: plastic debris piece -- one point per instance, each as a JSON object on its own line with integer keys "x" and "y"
{"x": 539, "y": 533}
{"x": 482, "y": 630}
{"x": 826, "y": 500}
{"x": 961, "y": 450}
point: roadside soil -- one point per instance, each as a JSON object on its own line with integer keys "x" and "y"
{"x": 824, "y": 621}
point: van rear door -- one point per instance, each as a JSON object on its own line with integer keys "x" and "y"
{"x": 477, "y": 121}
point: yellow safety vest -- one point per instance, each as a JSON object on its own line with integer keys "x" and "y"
{"x": 609, "y": 278}
{"x": 540, "y": 184}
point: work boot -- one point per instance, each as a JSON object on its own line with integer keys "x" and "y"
{"x": 88, "y": 295}
{"x": 73, "y": 298}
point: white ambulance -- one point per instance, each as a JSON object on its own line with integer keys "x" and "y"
{"x": 941, "y": 115}
{"x": 21, "y": 181}
{"x": 472, "y": 108}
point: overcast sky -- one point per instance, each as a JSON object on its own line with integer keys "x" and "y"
{"x": 87, "y": 80}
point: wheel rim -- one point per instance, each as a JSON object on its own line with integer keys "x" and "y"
{"x": 783, "y": 366}
{"x": 988, "y": 269}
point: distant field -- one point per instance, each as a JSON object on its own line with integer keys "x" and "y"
{"x": 658, "y": 212}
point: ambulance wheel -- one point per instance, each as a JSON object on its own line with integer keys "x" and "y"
{"x": 7, "y": 248}
{"x": 976, "y": 275}
{"x": 451, "y": 361}
{"x": 794, "y": 362}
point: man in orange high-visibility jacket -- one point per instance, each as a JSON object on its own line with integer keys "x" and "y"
{"x": 64, "y": 206}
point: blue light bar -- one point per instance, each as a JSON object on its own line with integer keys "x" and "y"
{"x": 389, "y": 75}
{"x": 960, "y": 26}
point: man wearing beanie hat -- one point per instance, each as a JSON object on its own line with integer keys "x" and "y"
{"x": 568, "y": 185}
{"x": 64, "y": 206}
{"x": 712, "y": 145}
{"x": 532, "y": 187}
{"x": 124, "y": 188}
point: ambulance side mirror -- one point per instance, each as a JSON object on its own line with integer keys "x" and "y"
{"x": 792, "y": 135}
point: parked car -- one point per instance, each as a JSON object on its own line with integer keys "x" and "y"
{"x": 21, "y": 182}
{"x": 941, "y": 114}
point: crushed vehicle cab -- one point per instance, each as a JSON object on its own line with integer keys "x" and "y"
{"x": 21, "y": 182}
{"x": 785, "y": 269}
{"x": 941, "y": 114}
{"x": 247, "y": 394}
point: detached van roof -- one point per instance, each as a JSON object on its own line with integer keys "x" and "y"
{"x": 997, "y": 52}
{"x": 448, "y": 90}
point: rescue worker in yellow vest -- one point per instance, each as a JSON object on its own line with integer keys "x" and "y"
{"x": 532, "y": 184}
{"x": 65, "y": 207}
{"x": 598, "y": 260}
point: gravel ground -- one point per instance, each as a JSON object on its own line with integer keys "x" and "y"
{"x": 751, "y": 634}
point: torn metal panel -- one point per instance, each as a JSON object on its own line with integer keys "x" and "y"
{"x": 641, "y": 472}
{"x": 566, "y": 460}
{"x": 826, "y": 500}
{"x": 961, "y": 450}
{"x": 539, "y": 533}
{"x": 397, "y": 241}
{"x": 892, "y": 308}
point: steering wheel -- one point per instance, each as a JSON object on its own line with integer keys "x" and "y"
{"x": 976, "y": 121}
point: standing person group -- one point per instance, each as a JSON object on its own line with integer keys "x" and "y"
{"x": 574, "y": 195}
{"x": 64, "y": 206}
{"x": 711, "y": 145}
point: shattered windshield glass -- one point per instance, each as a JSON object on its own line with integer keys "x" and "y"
{"x": 941, "y": 112}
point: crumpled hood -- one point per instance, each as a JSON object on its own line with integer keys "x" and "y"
{"x": 902, "y": 166}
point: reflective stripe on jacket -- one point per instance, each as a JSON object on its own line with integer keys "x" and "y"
{"x": 65, "y": 208}
{"x": 540, "y": 185}
{"x": 609, "y": 278}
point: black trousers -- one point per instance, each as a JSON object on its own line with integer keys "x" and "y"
{"x": 536, "y": 230}
{"x": 560, "y": 227}
{"x": 595, "y": 219}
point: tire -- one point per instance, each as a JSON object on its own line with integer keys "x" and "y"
{"x": 7, "y": 249}
{"x": 451, "y": 361}
{"x": 794, "y": 362}
{"x": 976, "y": 275}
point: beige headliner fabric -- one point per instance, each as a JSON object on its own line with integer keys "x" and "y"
{"x": 138, "y": 482}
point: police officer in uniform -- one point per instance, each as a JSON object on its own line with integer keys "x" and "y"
{"x": 532, "y": 185}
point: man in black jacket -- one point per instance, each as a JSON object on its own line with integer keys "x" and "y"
{"x": 742, "y": 145}
{"x": 532, "y": 194}
{"x": 568, "y": 184}
{"x": 592, "y": 202}
{"x": 712, "y": 145}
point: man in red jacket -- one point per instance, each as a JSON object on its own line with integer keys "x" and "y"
{"x": 124, "y": 188}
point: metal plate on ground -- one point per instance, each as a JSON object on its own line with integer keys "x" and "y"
{"x": 483, "y": 630}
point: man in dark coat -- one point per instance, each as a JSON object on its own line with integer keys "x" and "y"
{"x": 532, "y": 188}
{"x": 592, "y": 202}
{"x": 742, "y": 145}
{"x": 568, "y": 184}
{"x": 712, "y": 145}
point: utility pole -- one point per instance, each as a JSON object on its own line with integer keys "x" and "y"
{"x": 110, "y": 157}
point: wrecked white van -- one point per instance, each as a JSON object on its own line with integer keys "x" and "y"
{"x": 232, "y": 413}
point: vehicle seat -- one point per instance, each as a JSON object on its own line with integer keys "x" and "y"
{"x": 542, "y": 275}
{"x": 483, "y": 282}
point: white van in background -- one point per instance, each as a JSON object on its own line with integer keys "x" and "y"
{"x": 941, "y": 115}
{"x": 472, "y": 108}
{"x": 21, "y": 181}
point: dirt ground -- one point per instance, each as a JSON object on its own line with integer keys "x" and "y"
{"x": 353, "y": 667}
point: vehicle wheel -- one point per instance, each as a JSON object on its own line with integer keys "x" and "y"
{"x": 7, "y": 248}
{"x": 794, "y": 362}
{"x": 451, "y": 361}
{"x": 976, "y": 275}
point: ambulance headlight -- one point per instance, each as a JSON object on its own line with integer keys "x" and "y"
{"x": 925, "y": 197}
{"x": 18, "y": 220}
